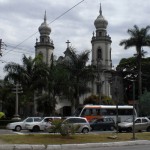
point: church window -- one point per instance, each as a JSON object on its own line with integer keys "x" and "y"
{"x": 99, "y": 53}
{"x": 100, "y": 33}
{"x": 42, "y": 40}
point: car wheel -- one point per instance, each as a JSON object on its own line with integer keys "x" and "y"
{"x": 112, "y": 128}
{"x": 36, "y": 129}
{"x": 85, "y": 130}
{"x": 18, "y": 128}
{"x": 148, "y": 129}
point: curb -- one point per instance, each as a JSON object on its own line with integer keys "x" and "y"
{"x": 70, "y": 146}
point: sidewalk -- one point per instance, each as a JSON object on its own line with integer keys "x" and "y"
{"x": 70, "y": 146}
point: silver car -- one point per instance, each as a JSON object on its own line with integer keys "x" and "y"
{"x": 18, "y": 126}
{"x": 141, "y": 124}
{"x": 84, "y": 126}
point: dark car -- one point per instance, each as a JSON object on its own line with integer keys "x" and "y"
{"x": 105, "y": 123}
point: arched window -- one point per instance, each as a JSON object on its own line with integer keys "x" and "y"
{"x": 100, "y": 33}
{"x": 99, "y": 53}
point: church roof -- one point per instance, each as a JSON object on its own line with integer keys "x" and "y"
{"x": 44, "y": 28}
{"x": 100, "y": 22}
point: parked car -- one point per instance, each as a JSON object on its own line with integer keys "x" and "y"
{"x": 18, "y": 126}
{"x": 141, "y": 124}
{"x": 40, "y": 126}
{"x": 84, "y": 126}
{"x": 106, "y": 123}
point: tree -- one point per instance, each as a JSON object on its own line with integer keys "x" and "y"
{"x": 94, "y": 99}
{"x": 145, "y": 103}
{"x": 129, "y": 71}
{"x": 138, "y": 39}
{"x": 55, "y": 85}
{"x": 79, "y": 74}
{"x": 7, "y": 98}
{"x": 30, "y": 75}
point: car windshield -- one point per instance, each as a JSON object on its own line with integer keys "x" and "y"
{"x": 129, "y": 120}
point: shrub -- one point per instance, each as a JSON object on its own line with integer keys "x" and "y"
{"x": 2, "y": 115}
{"x": 65, "y": 129}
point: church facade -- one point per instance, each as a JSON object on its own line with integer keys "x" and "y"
{"x": 101, "y": 55}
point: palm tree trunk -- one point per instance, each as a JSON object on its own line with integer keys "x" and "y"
{"x": 34, "y": 104}
{"x": 77, "y": 90}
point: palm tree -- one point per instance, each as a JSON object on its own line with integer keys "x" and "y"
{"x": 79, "y": 74}
{"x": 138, "y": 39}
{"x": 7, "y": 98}
{"x": 30, "y": 75}
{"x": 55, "y": 83}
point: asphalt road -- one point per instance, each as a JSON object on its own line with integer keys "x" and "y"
{"x": 5, "y": 131}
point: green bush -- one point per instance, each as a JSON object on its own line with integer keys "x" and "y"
{"x": 56, "y": 126}
{"x": 64, "y": 129}
{"x": 2, "y": 115}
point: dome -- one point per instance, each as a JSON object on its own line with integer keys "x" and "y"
{"x": 44, "y": 28}
{"x": 100, "y": 22}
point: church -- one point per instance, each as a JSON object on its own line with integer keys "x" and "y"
{"x": 101, "y": 56}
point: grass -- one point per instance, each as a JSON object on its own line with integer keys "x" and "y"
{"x": 73, "y": 139}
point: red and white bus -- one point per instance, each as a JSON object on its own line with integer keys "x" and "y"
{"x": 98, "y": 111}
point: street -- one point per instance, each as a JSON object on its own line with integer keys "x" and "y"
{"x": 126, "y": 147}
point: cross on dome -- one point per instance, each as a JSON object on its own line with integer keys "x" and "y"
{"x": 68, "y": 43}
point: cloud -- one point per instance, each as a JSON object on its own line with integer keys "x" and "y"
{"x": 20, "y": 20}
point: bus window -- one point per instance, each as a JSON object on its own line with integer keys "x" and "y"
{"x": 94, "y": 112}
{"x": 86, "y": 112}
{"x": 89, "y": 112}
{"x": 125, "y": 112}
{"x": 103, "y": 112}
{"x": 111, "y": 112}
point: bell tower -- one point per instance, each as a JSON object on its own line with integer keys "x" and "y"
{"x": 101, "y": 56}
{"x": 45, "y": 45}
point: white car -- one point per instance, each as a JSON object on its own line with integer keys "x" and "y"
{"x": 39, "y": 126}
{"x": 18, "y": 126}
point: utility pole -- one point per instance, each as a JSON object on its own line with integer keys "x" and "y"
{"x": 17, "y": 90}
{"x": 133, "y": 82}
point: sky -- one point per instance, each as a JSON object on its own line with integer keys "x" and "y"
{"x": 20, "y": 20}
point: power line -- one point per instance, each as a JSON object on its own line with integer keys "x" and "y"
{"x": 20, "y": 49}
{"x": 49, "y": 23}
